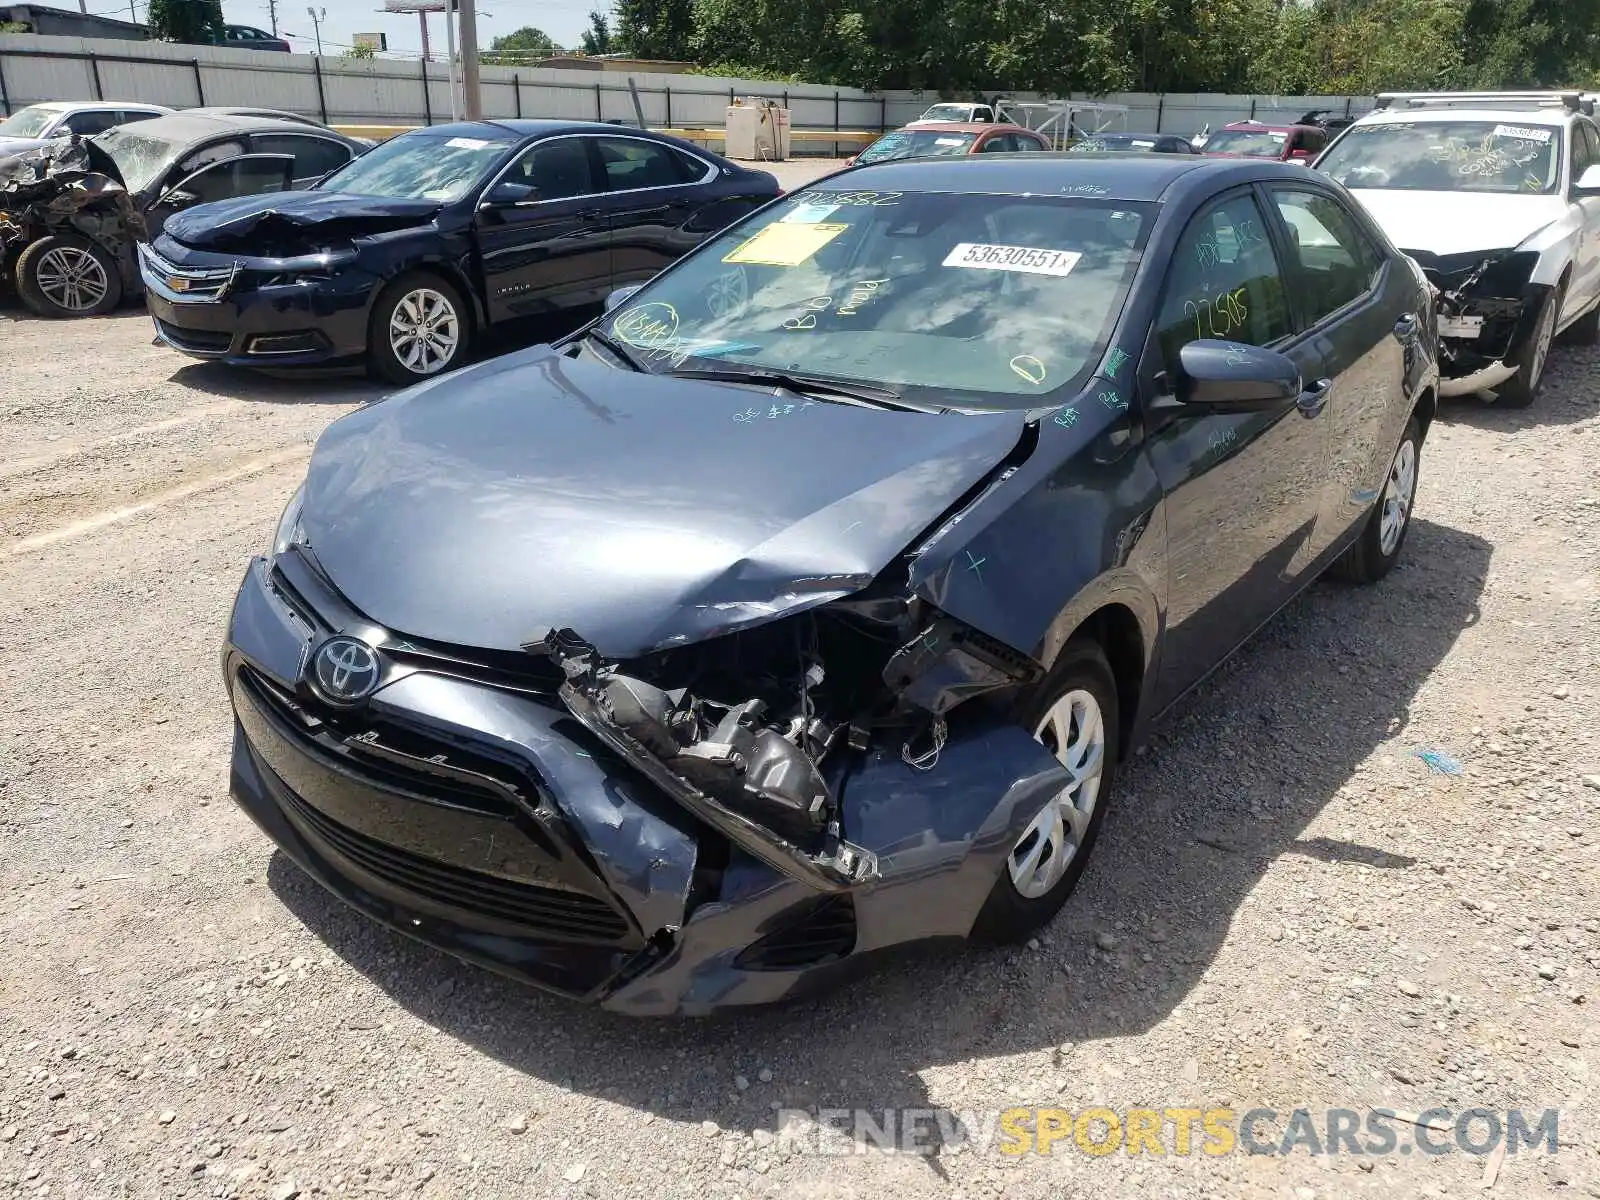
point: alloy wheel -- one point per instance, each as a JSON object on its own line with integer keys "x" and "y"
{"x": 71, "y": 279}
{"x": 424, "y": 331}
{"x": 1074, "y": 730}
{"x": 1398, "y": 494}
{"x": 1541, "y": 346}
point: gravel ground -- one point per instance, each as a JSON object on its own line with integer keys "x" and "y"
{"x": 1287, "y": 908}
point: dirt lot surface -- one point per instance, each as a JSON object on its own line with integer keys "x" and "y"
{"x": 1287, "y": 908}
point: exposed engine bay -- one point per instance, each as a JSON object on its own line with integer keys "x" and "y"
{"x": 1481, "y": 299}
{"x": 756, "y": 732}
{"x": 68, "y": 186}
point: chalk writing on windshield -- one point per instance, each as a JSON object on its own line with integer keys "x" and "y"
{"x": 860, "y": 293}
{"x": 1114, "y": 362}
{"x": 808, "y": 319}
{"x": 1029, "y": 368}
{"x": 863, "y": 199}
{"x": 647, "y": 326}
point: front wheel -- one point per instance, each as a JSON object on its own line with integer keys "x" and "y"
{"x": 1074, "y": 713}
{"x": 64, "y": 275}
{"x": 420, "y": 328}
{"x": 1522, "y": 388}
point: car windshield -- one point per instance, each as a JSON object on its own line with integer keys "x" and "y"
{"x": 1252, "y": 143}
{"x": 1006, "y": 297}
{"x": 419, "y": 166}
{"x": 1116, "y": 142}
{"x": 1448, "y": 156}
{"x": 28, "y": 122}
{"x": 948, "y": 112}
{"x": 140, "y": 159}
{"x": 917, "y": 143}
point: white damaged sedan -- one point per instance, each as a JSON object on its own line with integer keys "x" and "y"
{"x": 1497, "y": 197}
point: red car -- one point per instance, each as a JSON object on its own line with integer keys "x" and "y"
{"x": 950, "y": 138}
{"x": 1253, "y": 139}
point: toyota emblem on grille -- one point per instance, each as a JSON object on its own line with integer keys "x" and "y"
{"x": 345, "y": 670}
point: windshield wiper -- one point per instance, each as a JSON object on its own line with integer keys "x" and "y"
{"x": 617, "y": 349}
{"x": 865, "y": 394}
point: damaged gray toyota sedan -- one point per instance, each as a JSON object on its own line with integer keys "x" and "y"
{"x": 804, "y": 605}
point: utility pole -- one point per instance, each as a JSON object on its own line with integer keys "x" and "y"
{"x": 272, "y": 14}
{"x": 316, "y": 25}
{"x": 471, "y": 100}
{"x": 450, "y": 57}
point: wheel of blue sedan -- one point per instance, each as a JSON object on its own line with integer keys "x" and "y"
{"x": 1073, "y": 713}
{"x": 419, "y": 329}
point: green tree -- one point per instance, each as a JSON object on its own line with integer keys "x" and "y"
{"x": 360, "y": 52}
{"x": 191, "y": 22}
{"x": 521, "y": 45}
{"x": 662, "y": 29}
{"x": 13, "y": 27}
{"x": 597, "y": 38}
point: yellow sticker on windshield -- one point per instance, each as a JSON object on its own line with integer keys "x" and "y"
{"x": 784, "y": 244}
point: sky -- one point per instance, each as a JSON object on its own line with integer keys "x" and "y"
{"x": 563, "y": 20}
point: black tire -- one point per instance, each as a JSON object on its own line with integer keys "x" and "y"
{"x": 1367, "y": 561}
{"x": 1532, "y": 357}
{"x": 382, "y": 357}
{"x": 1585, "y": 331}
{"x": 91, "y": 276}
{"x": 1008, "y": 915}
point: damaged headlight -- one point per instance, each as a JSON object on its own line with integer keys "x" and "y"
{"x": 290, "y": 532}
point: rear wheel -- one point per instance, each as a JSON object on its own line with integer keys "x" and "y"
{"x": 1377, "y": 550}
{"x": 64, "y": 275}
{"x": 420, "y": 328}
{"x": 1074, "y": 713}
{"x": 1520, "y": 390}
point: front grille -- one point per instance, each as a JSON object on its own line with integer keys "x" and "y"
{"x": 201, "y": 341}
{"x": 185, "y": 285}
{"x": 395, "y": 758}
{"x": 551, "y": 912}
{"x": 824, "y": 932}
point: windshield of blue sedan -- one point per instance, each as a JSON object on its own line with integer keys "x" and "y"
{"x": 1448, "y": 156}
{"x": 28, "y": 122}
{"x": 917, "y": 143}
{"x": 1012, "y": 297}
{"x": 419, "y": 166}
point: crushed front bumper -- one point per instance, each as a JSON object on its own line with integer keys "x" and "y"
{"x": 476, "y": 814}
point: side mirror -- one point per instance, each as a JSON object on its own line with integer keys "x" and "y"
{"x": 1232, "y": 377}
{"x": 621, "y": 294}
{"x": 1589, "y": 181}
{"x": 506, "y": 193}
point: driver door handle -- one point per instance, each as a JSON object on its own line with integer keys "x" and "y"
{"x": 1314, "y": 397}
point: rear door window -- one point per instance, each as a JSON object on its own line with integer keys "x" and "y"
{"x": 1337, "y": 264}
{"x": 313, "y": 156}
{"x": 632, "y": 163}
{"x": 91, "y": 121}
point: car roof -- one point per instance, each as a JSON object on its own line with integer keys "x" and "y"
{"x": 1553, "y": 117}
{"x": 503, "y": 130}
{"x": 963, "y": 127}
{"x": 1122, "y": 176}
{"x": 1243, "y": 126}
{"x": 76, "y": 105}
{"x": 187, "y": 127}
{"x": 1133, "y": 133}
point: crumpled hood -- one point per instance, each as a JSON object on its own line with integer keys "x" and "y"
{"x": 1458, "y": 222}
{"x": 224, "y": 221}
{"x": 537, "y": 491}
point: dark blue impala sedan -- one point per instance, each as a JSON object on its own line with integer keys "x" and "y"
{"x": 806, "y": 603}
{"x": 403, "y": 258}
